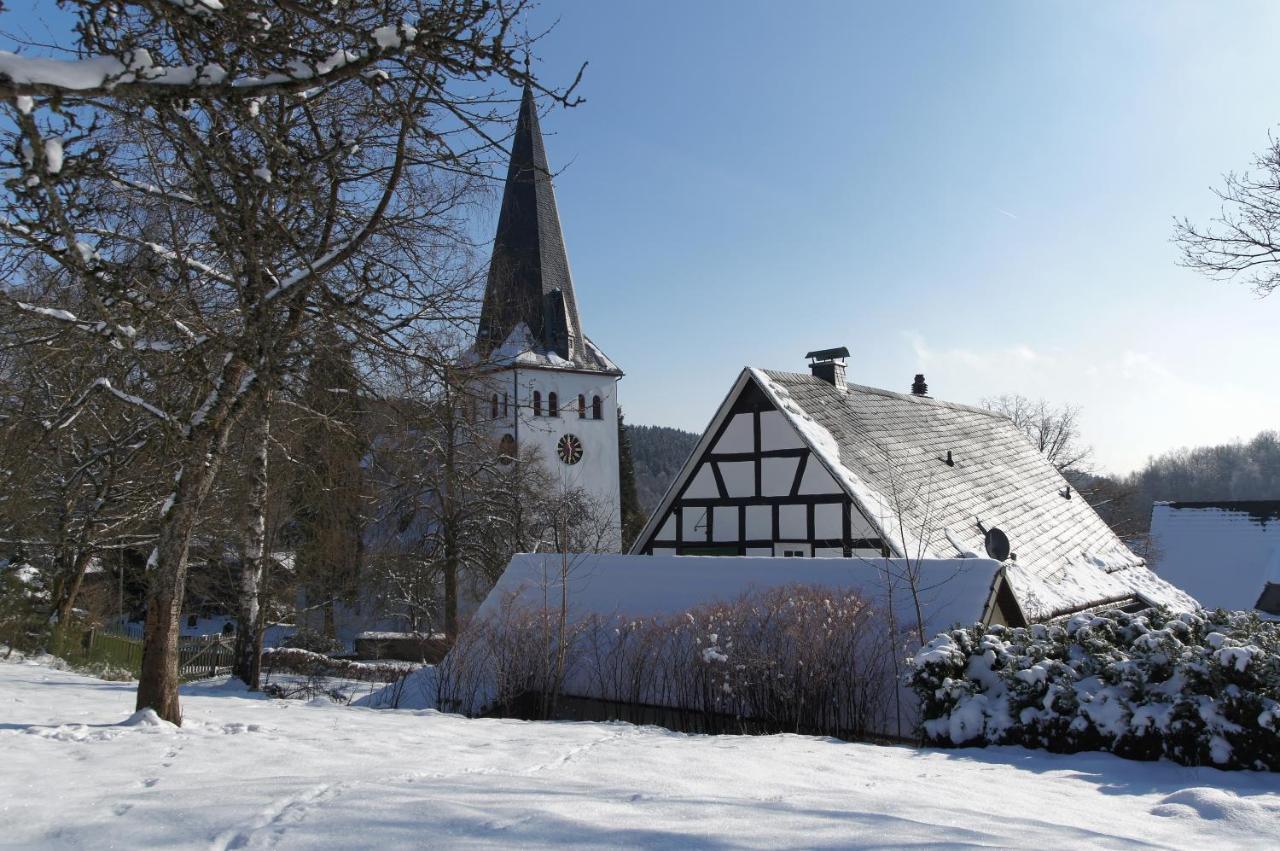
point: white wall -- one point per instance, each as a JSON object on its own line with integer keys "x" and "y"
{"x": 597, "y": 472}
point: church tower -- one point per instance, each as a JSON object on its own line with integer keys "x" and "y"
{"x": 552, "y": 390}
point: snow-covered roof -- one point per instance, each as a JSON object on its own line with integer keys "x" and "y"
{"x": 1224, "y": 553}
{"x": 889, "y": 451}
{"x": 953, "y": 591}
{"x": 521, "y": 349}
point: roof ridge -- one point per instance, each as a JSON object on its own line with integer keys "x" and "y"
{"x": 907, "y": 397}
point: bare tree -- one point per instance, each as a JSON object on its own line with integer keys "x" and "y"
{"x": 1053, "y": 430}
{"x": 216, "y": 180}
{"x": 1243, "y": 240}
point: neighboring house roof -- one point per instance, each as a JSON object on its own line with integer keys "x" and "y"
{"x": 889, "y": 452}
{"x": 1225, "y": 553}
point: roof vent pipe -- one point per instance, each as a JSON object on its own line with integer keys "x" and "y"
{"x": 919, "y": 387}
{"x": 828, "y": 364}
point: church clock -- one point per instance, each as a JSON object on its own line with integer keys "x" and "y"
{"x": 569, "y": 448}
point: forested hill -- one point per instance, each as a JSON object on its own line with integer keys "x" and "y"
{"x": 1232, "y": 471}
{"x": 658, "y": 452}
{"x": 1229, "y": 471}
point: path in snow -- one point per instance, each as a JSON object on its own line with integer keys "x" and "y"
{"x": 246, "y": 772}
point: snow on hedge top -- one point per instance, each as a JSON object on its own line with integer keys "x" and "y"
{"x": 889, "y": 451}
{"x": 1221, "y": 552}
{"x": 953, "y": 591}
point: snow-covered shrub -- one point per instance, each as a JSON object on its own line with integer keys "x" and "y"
{"x": 1198, "y": 688}
{"x": 512, "y": 662}
{"x": 295, "y": 660}
{"x": 313, "y": 641}
{"x": 23, "y": 607}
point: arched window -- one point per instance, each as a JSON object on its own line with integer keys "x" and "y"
{"x": 507, "y": 447}
{"x": 582, "y": 407}
{"x": 537, "y": 403}
{"x": 597, "y": 408}
{"x": 493, "y": 406}
{"x": 553, "y": 405}
{"x": 504, "y": 404}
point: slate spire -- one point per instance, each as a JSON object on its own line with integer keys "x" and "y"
{"x": 529, "y": 277}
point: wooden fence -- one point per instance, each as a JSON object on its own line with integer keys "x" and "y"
{"x": 198, "y": 658}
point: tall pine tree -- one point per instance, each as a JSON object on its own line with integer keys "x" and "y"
{"x": 330, "y": 486}
{"x": 633, "y": 516}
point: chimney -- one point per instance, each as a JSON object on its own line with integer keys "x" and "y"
{"x": 918, "y": 387}
{"x": 828, "y": 364}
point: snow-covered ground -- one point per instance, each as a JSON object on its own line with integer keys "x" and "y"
{"x": 246, "y": 772}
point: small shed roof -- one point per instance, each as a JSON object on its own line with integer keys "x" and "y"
{"x": 953, "y": 591}
{"x": 1225, "y": 553}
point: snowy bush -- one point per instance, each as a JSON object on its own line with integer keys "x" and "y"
{"x": 295, "y": 660}
{"x": 313, "y": 641}
{"x": 1197, "y": 688}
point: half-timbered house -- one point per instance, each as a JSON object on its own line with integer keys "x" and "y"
{"x": 807, "y": 465}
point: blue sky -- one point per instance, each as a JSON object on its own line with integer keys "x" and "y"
{"x": 981, "y": 192}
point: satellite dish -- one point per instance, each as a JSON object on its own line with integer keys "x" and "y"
{"x": 997, "y": 544}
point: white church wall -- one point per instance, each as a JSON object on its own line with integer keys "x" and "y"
{"x": 597, "y": 471}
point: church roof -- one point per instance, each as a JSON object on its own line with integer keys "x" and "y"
{"x": 529, "y": 281}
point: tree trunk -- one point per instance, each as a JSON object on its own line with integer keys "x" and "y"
{"x": 67, "y": 600}
{"x": 158, "y": 683}
{"x": 248, "y": 655}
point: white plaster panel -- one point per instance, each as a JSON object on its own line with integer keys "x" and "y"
{"x": 859, "y": 527}
{"x": 668, "y": 530}
{"x": 703, "y": 484}
{"x": 757, "y": 551}
{"x": 664, "y": 551}
{"x": 828, "y": 552}
{"x": 816, "y": 479}
{"x": 739, "y": 477}
{"x": 759, "y": 522}
{"x": 776, "y": 476}
{"x": 777, "y": 433}
{"x": 791, "y": 550}
{"x": 739, "y": 435}
{"x": 695, "y": 524}
{"x": 725, "y": 527}
{"x": 828, "y": 521}
{"x": 793, "y": 522}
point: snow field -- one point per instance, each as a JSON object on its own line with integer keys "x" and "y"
{"x": 82, "y": 770}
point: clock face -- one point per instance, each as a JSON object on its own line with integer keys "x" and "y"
{"x": 569, "y": 448}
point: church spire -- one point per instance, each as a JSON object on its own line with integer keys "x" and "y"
{"x": 529, "y": 277}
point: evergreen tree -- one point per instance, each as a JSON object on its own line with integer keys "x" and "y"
{"x": 633, "y": 515}
{"x": 330, "y": 485}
